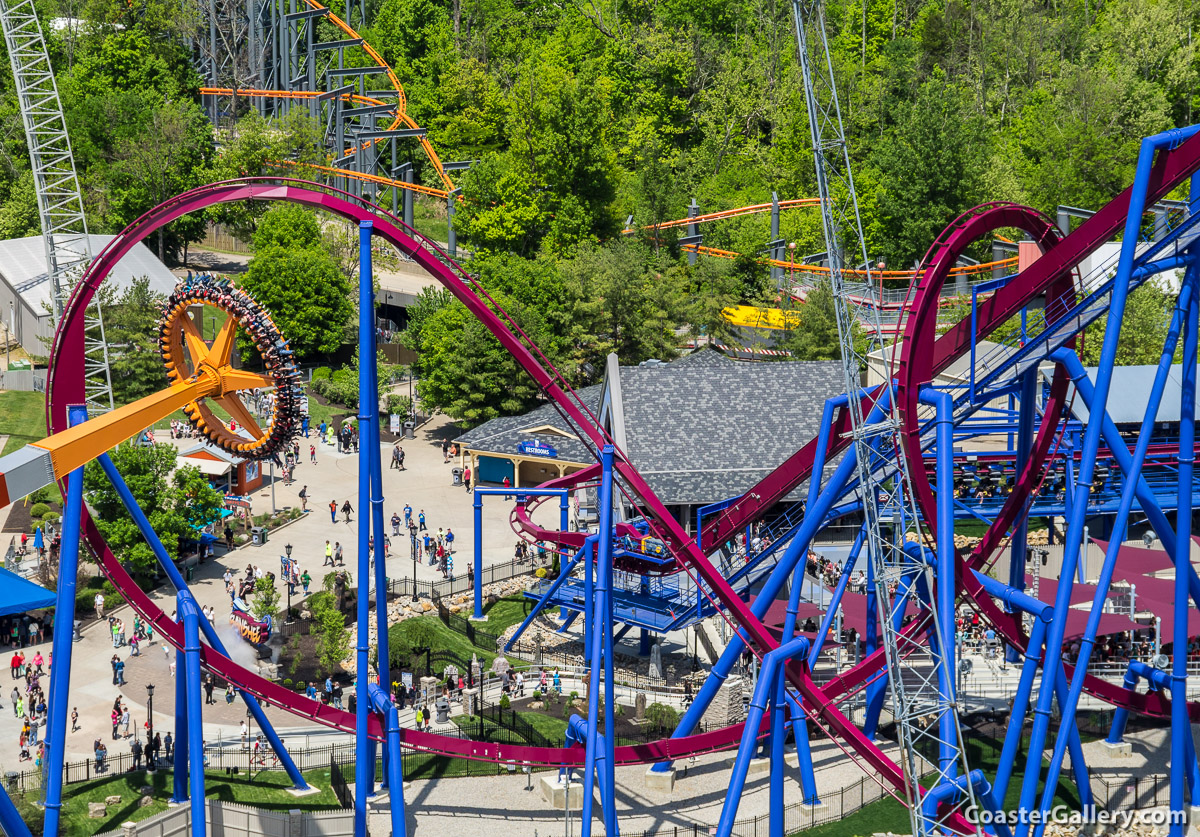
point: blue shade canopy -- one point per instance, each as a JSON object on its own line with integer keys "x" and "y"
{"x": 18, "y": 595}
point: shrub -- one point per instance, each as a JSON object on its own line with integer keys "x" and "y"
{"x": 287, "y": 681}
{"x": 321, "y": 373}
{"x": 39, "y": 510}
{"x": 505, "y": 702}
{"x": 42, "y": 495}
{"x": 51, "y": 517}
{"x": 537, "y": 695}
{"x": 662, "y": 717}
{"x": 574, "y": 696}
{"x": 399, "y": 405}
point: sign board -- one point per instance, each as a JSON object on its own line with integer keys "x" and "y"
{"x": 252, "y": 470}
{"x": 406, "y": 679}
{"x": 237, "y": 501}
{"x": 304, "y": 404}
{"x": 394, "y": 423}
{"x": 534, "y": 448}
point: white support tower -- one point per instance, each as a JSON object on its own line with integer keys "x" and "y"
{"x": 913, "y": 672}
{"x": 60, "y": 206}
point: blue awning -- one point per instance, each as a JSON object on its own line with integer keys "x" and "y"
{"x": 18, "y": 595}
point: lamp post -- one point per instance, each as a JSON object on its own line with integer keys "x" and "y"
{"x": 288, "y": 550}
{"x": 414, "y": 556}
{"x": 792, "y": 263}
{"x": 149, "y": 721}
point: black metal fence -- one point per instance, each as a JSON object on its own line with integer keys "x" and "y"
{"x": 463, "y": 582}
{"x": 1121, "y": 793}
{"x": 796, "y": 817}
{"x": 337, "y": 781}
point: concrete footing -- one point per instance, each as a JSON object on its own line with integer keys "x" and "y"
{"x": 555, "y": 793}
{"x": 663, "y": 781}
{"x": 1122, "y": 749}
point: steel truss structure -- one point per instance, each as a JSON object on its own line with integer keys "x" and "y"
{"x": 60, "y": 204}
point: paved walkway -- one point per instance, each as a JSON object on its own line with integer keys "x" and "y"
{"x": 425, "y": 484}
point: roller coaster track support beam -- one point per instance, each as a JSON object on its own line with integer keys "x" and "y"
{"x": 1026, "y": 418}
{"x": 835, "y": 600}
{"x": 210, "y": 635}
{"x": 381, "y": 704}
{"x": 1091, "y": 443}
{"x": 797, "y": 550}
{"x": 368, "y": 400}
{"x": 563, "y": 495}
{"x": 564, "y": 572}
{"x": 599, "y": 757}
{"x": 376, "y": 526}
{"x": 64, "y": 627}
{"x": 189, "y": 613}
{"x": 943, "y": 403}
{"x": 769, "y": 677}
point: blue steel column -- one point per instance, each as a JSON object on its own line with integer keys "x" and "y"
{"x": 796, "y": 550}
{"x": 64, "y": 627}
{"x": 364, "y": 762}
{"x": 189, "y": 613}
{"x": 381, "y": 702}
{"x": 210, "y": 635}
{"x": 608, "y": 770}
{"x": 382, "y": 660}
{"x": 179, "y": 791}
{"x": 1132, "y": 467}
{"x": 478, "y": 555}
{"x": 1018, "y": 543}
{"x": 1091, "y": 443}
{"x": 564, "y": 516}
{"x": 1180, "y": 723}
{"x": 948, "y": 756}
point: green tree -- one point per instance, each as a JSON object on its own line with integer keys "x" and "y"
{"x": 175, "y": 508}
{"x": 266, "y": 598}
{"x": 815, "y": 336}
{"x": 130, "y": 326}
{"x": 333, "y": 638}
{"x": 930, "y": 166}
{"x": 287, "y": 225}
{"x": 1143, "y": 329}
{"x": 306, "y": 294}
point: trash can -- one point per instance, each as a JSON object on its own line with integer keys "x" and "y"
{"x": 78, "y": 633}
{"x": 457, "y": 473}
{"x": 410, "y": 429}
{"x": 11, "y": 778}
{"x": 258, "y": 535}
{"x": 191, "y": 573}
{"x": 443, "y": 710}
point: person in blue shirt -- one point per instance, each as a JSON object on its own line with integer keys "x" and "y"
{"x": 328, "y": 685}
{"x": 421, "y": 520}
{"x": 407, "y": 515}
{"x": 449, "y": 540}
{"x": 428, "y": 544}
{"x": 311, "y": 691}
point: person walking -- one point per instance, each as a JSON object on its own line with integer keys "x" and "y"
{"x": 16, "y": 699}
{"x": 449, "y": 540}
{"x": 347, "y": 509}
{"x": 169, "y": 744}
{"x": 507, "y": 484}
{"x": 467, "y": 478}
{"x": 333, "y": 511}
{"x": 312, "y": 454}
{"x": 305, "y": 580}
{"x": 209, "y": 685}
{"x": 328, "y": 554}
{"x": 395, "y": 523}
{"x": 407, "y": 516}
{"x": 338, "y": 554}
{"x": 99, "y": 604}
{"x": 395, "y": 458}
{"x": 304, "y": 498}
{"x": 421, "y": 520}
{"x": 75, "y": 719}
{"x": 135, "y": 750}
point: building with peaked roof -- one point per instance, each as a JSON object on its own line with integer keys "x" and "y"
{"x": 228, "y": 473}
{"x": 25, "y": 285}
{"x": 699, "y": 429}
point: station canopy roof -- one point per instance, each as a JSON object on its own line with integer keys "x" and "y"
{"x": 18, "y": 595}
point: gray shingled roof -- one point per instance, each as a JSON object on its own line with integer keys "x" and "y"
{"x": 699, "y": 429}
{"x": 502, "y": 435}
{"x": 699, "y": 434}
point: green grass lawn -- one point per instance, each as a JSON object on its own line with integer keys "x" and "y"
{"x": 267, "y": 789}
{"x": 504, "y": 614}
{"x": 22, "y": 418}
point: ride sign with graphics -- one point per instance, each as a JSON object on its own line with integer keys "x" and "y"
{"x": 535, "y": 448}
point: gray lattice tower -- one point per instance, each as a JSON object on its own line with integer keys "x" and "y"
{"x": 60, "y": 207}
{"x": 884, "y": 485}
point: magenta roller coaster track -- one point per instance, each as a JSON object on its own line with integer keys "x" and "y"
{"x": 923, "y": 354}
